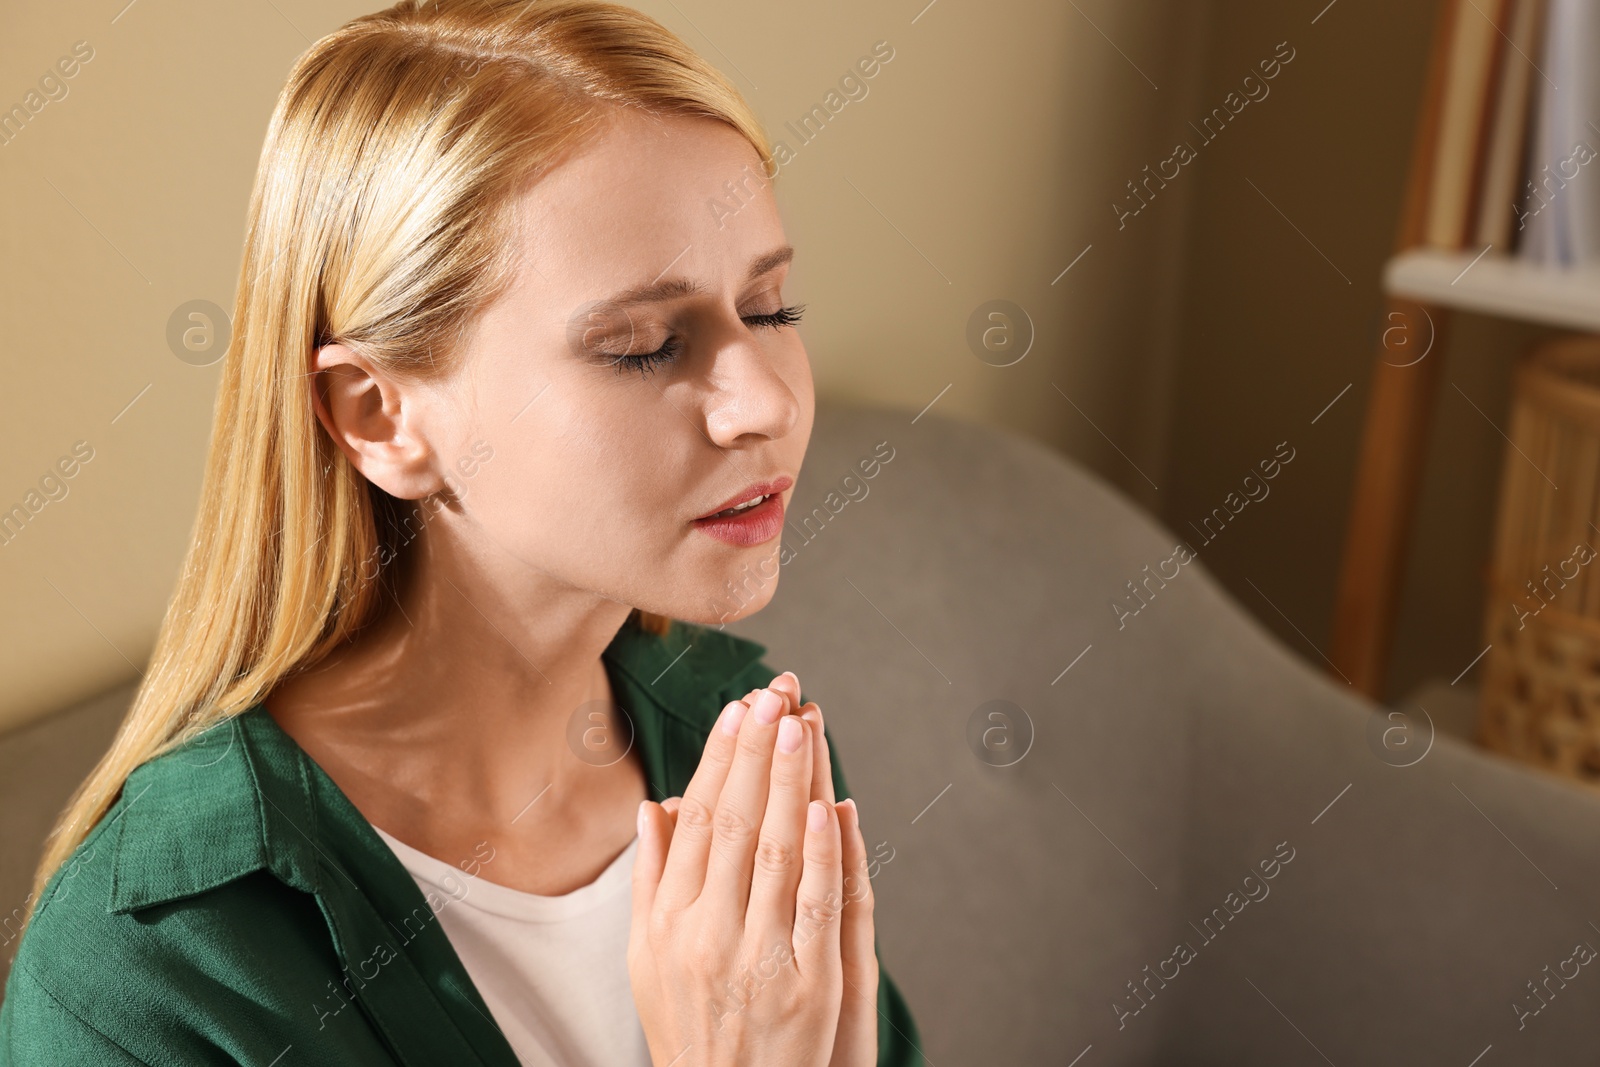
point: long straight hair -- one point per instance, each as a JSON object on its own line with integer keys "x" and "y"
{"x": 381, "y": 217}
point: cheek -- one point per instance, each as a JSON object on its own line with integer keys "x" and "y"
{"x": 586, "y": 471}
{"x": 804, "y": 389}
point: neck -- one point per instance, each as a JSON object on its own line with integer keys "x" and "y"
{"x": 459, "y": 699}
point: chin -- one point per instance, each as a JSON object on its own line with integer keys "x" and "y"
{"x": 741, "y": 593}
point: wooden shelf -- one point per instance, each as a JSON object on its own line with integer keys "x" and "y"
{"x": 1497, "y": 285}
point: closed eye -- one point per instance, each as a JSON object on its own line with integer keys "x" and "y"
{"x": 646, "y": 362}
{"x": 785, "y": 316}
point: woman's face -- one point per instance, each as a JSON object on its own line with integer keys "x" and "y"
{"x": 641, "y": 374}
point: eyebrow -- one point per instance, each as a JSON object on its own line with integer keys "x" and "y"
{"x": 672, "y": 288}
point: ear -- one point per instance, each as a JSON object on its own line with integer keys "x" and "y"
{"x": 374, "y": 419}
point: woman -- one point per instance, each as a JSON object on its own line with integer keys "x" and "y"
{"x": 507, "y": 395}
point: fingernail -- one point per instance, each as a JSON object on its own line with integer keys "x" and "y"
{"x": 732, "y": 716}
{"x": 855, "y": 814}
{"x": 640, "y": 820}
{"x": 816, "y": 816}
{"x": 789, "y": 734}
{"x": 768, "y": 707}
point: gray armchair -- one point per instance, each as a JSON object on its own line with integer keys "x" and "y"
{"x": 1159, "y": 838}
{"x": 1177, "y": 756}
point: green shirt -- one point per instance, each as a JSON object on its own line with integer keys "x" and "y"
{"x": 233, "y": 906}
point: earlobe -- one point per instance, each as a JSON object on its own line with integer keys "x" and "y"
{"x": 370, "y": 417}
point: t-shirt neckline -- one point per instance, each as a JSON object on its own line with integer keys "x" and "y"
{"x": 461, "y": 889}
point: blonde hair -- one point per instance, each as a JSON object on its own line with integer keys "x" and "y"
{"x": 380, "y": 218}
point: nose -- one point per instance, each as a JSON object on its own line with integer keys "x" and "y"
{"x": 750, "y": 396}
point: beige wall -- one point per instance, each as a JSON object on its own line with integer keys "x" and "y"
{"x": 982, "y": 161}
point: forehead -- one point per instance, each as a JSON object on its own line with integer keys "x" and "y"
{"x": 647, "y": 194}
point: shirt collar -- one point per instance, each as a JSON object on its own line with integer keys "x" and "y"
{"x": 243, "y": 796}
{"x": 680, "y": 672}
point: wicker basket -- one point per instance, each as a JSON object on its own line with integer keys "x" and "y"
{"x": 1541, "y": 680}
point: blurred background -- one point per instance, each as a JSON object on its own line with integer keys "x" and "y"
{"x": 992, "y": 158}
{"x": 1153, "y": 236}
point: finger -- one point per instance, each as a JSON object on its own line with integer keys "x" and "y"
{"x": 791, "y": 701}
{"x": 858, "y": 1011}
{"x": 685, "y": 871}
{"x": 821, "y": 759}
{"x": 856, "y": 932}
{"x": 819, "y": 898}
{"x": 736, "y": 827}
{"x": 780, "y": 853}
{"x": 787, "y": 684}
{"x": 670, "y": 806}
{"x": 648, "y": 864}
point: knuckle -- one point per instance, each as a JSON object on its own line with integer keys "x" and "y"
{"x": 862, "y": 976}
{"x": 776, "y": 857}
{"x": 816, "y": 911}
{"x": 823, "y": 855}
{"x": 694, "y": 816}
{"x": 661, "y": 929}
{"x": 733, "y": 825}
{"x": 705, "y": 955}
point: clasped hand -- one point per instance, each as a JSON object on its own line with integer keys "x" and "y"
{"x": 752, "y": 937}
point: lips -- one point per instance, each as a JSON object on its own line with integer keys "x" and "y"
{"x": 750, "y": 495}
{"x": 752, "y": 517}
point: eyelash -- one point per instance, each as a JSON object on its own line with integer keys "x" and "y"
{"x": 646, "y": 362}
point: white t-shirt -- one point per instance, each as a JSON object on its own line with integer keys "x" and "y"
{"x": 553, "y": 970}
